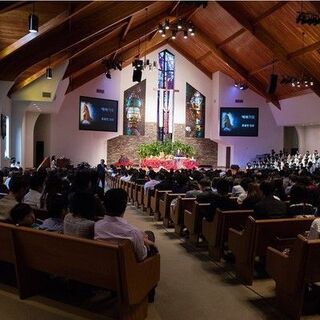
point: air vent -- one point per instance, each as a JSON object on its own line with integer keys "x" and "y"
{"x": 100, "y": 91}
{"x": 46, "y": 94}
{"x": 238, "y": 101}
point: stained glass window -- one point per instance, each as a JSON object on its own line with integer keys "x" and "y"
{"x": 165, "y": 96}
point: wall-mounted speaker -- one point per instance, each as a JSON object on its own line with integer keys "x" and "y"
{"x": 272, "y": 86}
{"x": 137, "y": 75}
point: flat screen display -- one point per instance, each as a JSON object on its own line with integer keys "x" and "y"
{"x": 243, "y": 122}
{"x": 98, "y": 114}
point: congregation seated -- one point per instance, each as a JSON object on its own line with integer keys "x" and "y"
{"x": 79, "y": 221}
{"x": 114, "y": 226}
{"x": 3, "y": 187}
{"x": 269, "y": 207}
{"x": 216, "y": 200}
{"x": 194, "y": 189}
{"x": 237, "y": 188}
{"x": 17, "y": 190}
{"x": 298, "y": 205}
{"x": 57, "y": 207}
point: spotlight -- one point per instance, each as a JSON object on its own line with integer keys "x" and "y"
{"x": 163, "y": 34}
{"x": 160, "y": 28}
{"x": 179, "y": 25}
{"x": 108, "y": 74}
{"x": 190, "y": 28}
{"x": 192, "y": 33}
{"x": 174, "y": 33}
{"x": 185, "y": 34}
{"x": 49, "y": 73}
{"x": 33, "y": 23}
{"x": 167, "y": 25}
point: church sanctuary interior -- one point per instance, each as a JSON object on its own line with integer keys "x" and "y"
{"x": 159, "y": 160}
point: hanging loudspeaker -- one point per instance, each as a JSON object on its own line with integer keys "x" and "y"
{"x": 272, "y": 84}
{"x": 137, "y": 74}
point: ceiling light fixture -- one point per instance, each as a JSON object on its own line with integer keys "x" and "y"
{"x": 181, "y": 25}
{"x": 33, "y": 21}
{"x": 241, "y": 85}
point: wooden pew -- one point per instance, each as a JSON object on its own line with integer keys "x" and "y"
{"x": 216, "y": 231}
{"x": 293, "y": 272}
{"x": 177, "y": 215}
{"x": 257, "y": 236}
{"x": 164, "y": 206}
{"x": 140, "y": 194}
{"x": 192, "y": 221}
{"x": 154, "y": 202}
{"x": 147, "y": 200}
{"x": 115, "y": 268}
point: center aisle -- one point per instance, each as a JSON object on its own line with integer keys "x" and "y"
{"x": 194, "y": 287}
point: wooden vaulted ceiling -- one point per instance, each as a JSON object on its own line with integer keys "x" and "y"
{"x": 246, "y": 40}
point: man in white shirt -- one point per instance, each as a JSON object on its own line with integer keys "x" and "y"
{"x": 113, "y": 225}
{"x": 33, "y": 197}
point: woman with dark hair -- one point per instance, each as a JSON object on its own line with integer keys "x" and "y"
{"x": 80, "y": 221}
{"x": 254, "y": 195}
{"x": 298, "y": 203}
{"x": 23, "y": 215}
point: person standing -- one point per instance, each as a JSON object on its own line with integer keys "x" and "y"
{"x": 101, "y": 169}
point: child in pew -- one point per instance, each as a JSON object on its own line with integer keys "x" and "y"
{"x": 23, "y": 215}
{"x": 57, "y": 206}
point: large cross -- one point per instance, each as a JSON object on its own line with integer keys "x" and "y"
{"x": 166, "y": 112}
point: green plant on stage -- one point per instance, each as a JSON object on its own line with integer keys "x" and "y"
{"x": 166, "y": 147}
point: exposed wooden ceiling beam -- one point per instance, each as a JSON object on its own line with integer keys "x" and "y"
{"x": 206, "y": 55}
{"x": 265, "y": 38}
{"x": 191, "y": 59}
{"x": 80, "y": 31}
{"x": 106, "y": 48}
{"x": 6, "y": 6}
{"x": 125, "y": 32}
{"x": 48, "y": 26}
{"x": 264, "y": 67}
{"x": 24, "y": 81}
{"x": 229, "y": 62}
{"x": 302, "y": 51}
{"x": 264, "y": 15}
{"x": 98, "y": 68}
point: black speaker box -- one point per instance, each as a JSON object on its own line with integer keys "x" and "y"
{"x": 137, "y": 75}
{"x": 272, "y": 84}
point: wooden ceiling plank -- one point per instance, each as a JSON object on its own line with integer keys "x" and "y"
{"x": 265, "y": 38}
{"x": 110, "y": 47}
{"x": 302, "y": 51}
{"x": 264, "y": 67}
{"x": 264, "y": 15}
{"x": 206, "y": 55}
{"x": 191, "y": 59}
{"x": 80, "y": 32}
{"x": 226, "y": 59}
{"x": 6, "y": 6}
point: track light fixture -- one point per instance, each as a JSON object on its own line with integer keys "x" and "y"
{"x": 179, "y": 26}
{"x": 33, "y": 21}
{"x": 298, "y": 81}
{"x": 241, "y": 85}
{"x": 309, "y": 18}
{"x": 49, "y": 73}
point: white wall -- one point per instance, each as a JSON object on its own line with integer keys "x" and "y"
{"x": 244, "y": 148}
{"x": 66, "y": 138}
{"x": 298, "y": 111}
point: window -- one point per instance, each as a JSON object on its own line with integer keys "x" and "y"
{"x": 165, "y": 94}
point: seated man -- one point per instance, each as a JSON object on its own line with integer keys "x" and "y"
{"x": 17, "y": 190}
{"x": 33, "y": 197}
{"x": 113, "y": 225}
{"x": 22, "y": 215}
{"x": 217, "y": 200}
{"x": 269, "y": 207}
{"x": 57, "y": 207}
